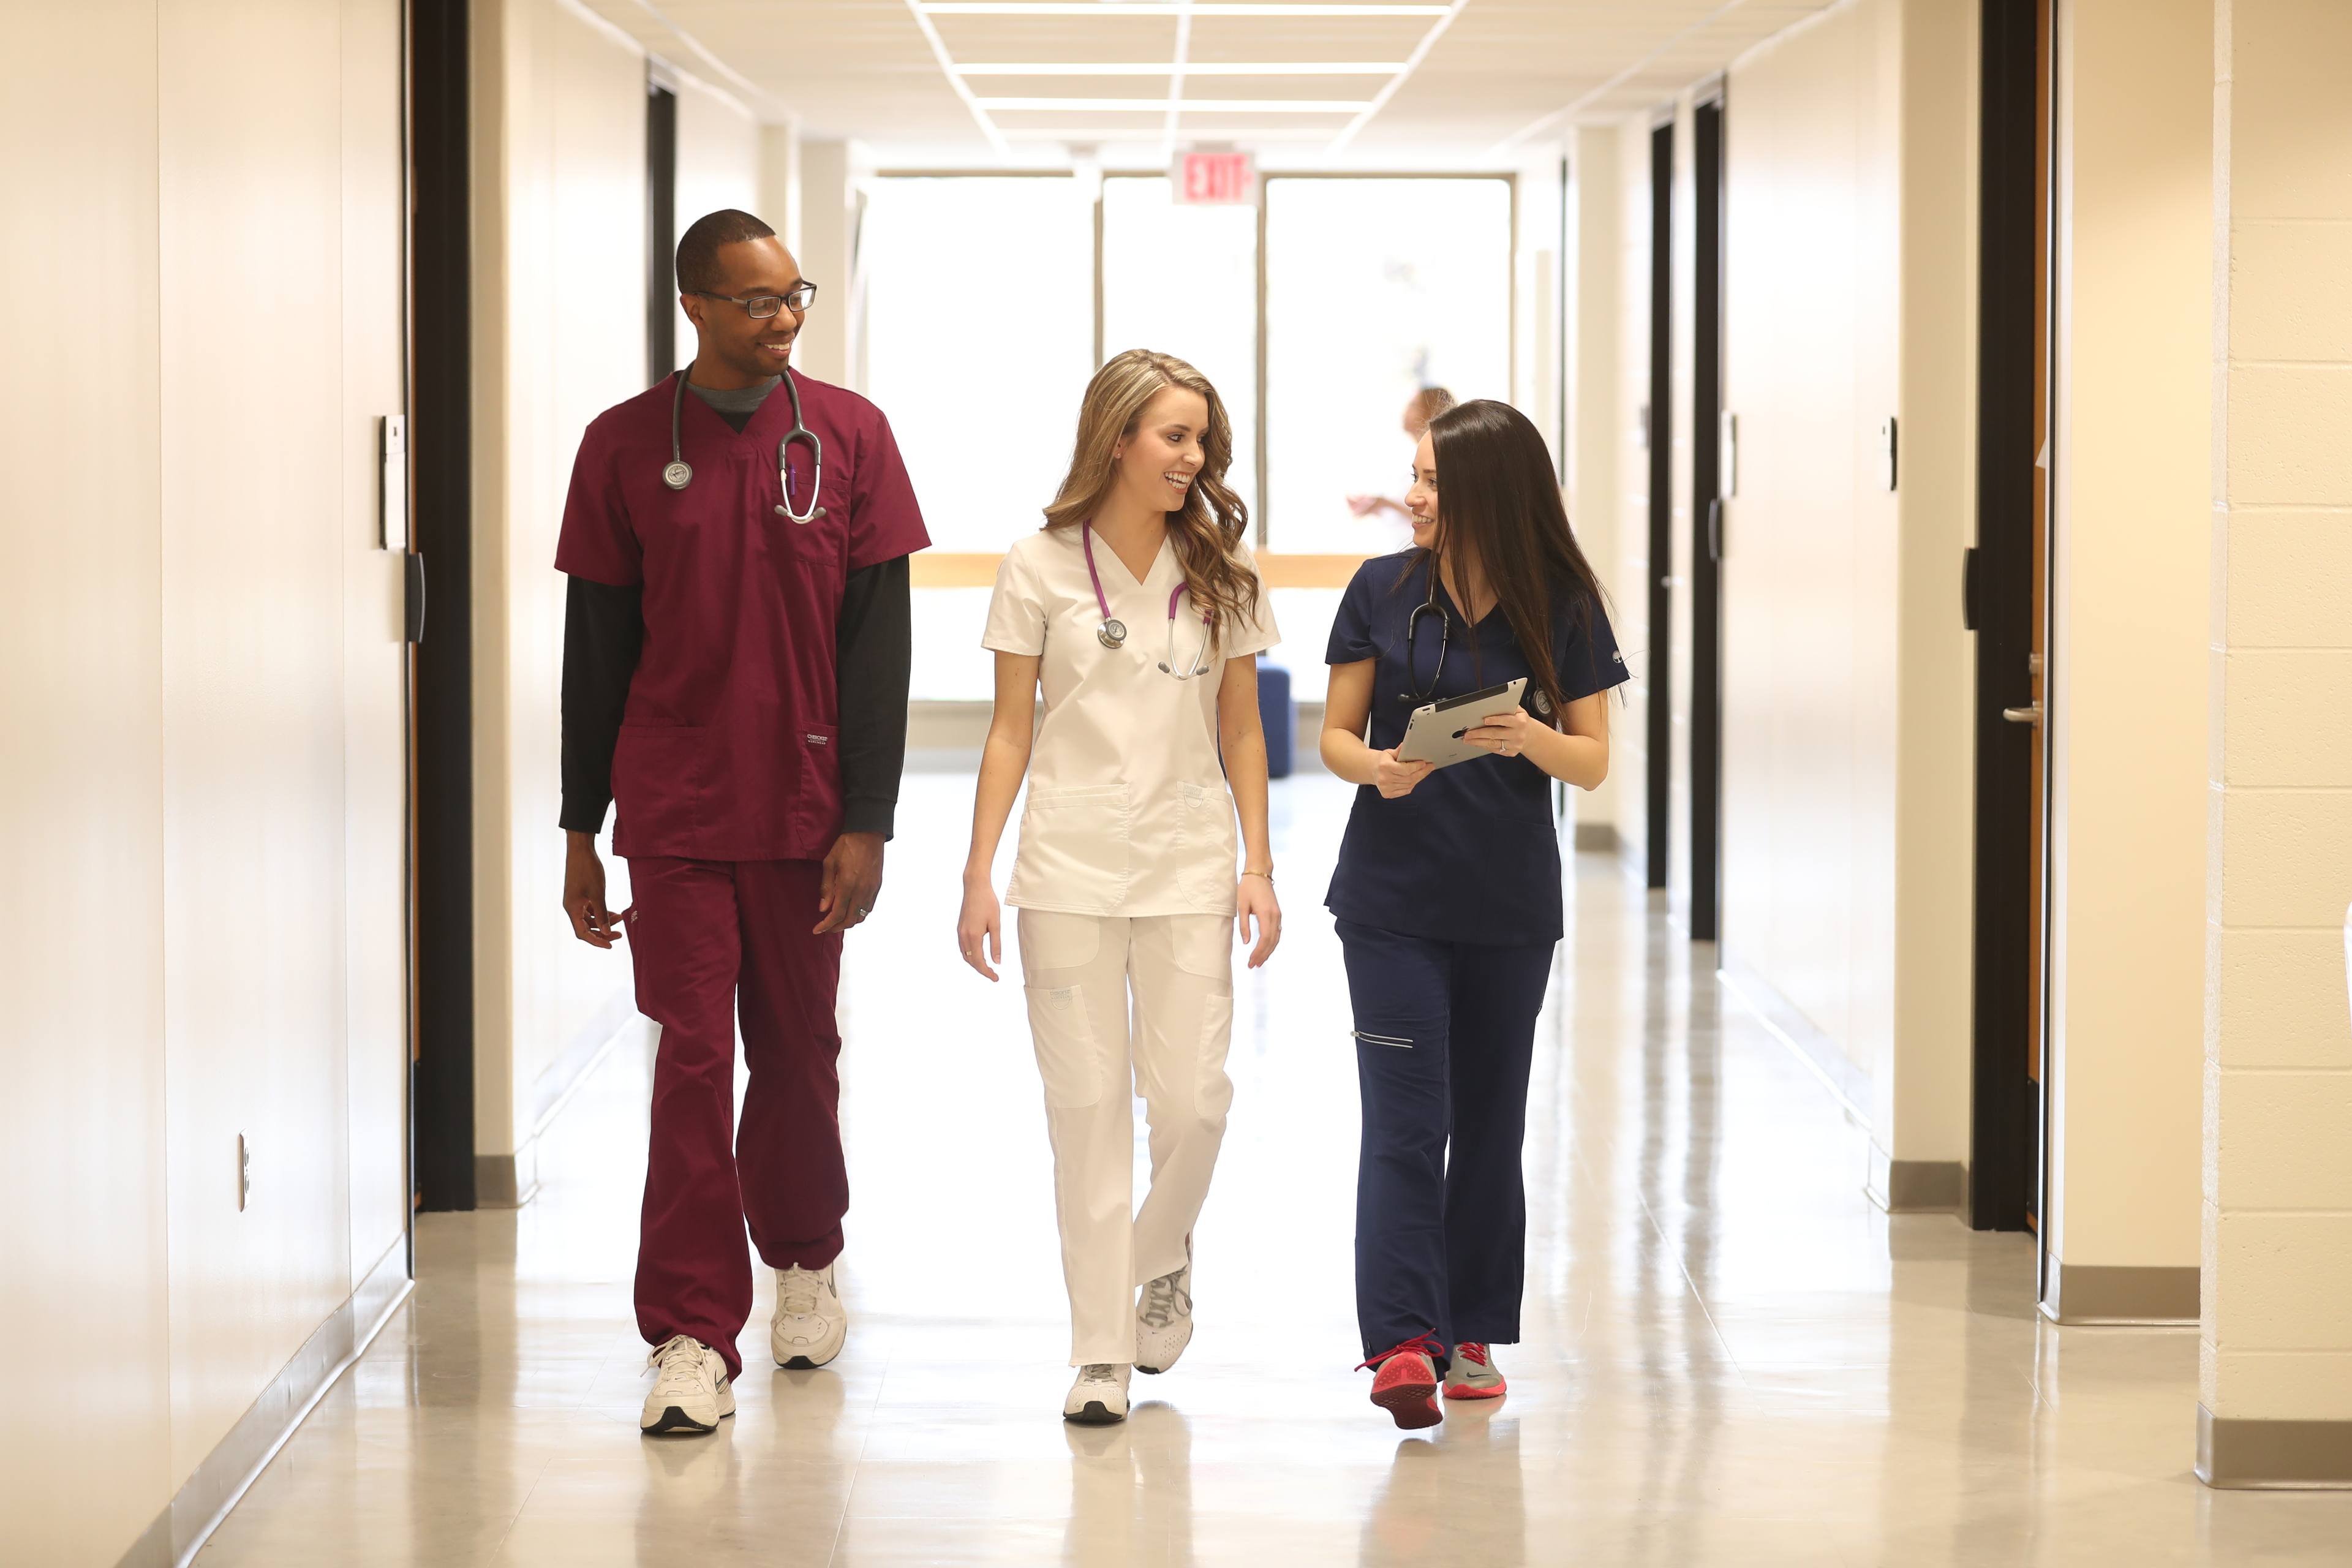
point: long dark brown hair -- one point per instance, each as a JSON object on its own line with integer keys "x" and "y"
{"x": 1498, "y": 503}
{"x": 1208, "y": 530}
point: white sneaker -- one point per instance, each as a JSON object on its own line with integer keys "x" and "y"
{"x": 1098, "y": 1397}
{"x": 691, "y": 1390}
{"x": 1163, "y": 1323}
{"x": 811, "y": 1324}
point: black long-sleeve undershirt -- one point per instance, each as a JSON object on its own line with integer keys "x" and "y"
{"x": 603, "y": 632}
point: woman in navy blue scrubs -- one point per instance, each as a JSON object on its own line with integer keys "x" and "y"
{"x": 1448, "y": 892}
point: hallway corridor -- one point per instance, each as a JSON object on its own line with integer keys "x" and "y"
{"x": 1731, "y": 1357}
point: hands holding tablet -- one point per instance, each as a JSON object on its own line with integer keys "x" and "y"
{"x": 1395, "y": 779}
{"x": 1505, "y": 734}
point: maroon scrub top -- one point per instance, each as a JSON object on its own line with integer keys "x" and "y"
{"x": 730, "y": 747}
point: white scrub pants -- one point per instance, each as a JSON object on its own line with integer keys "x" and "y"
{"x": 1079, "y": 971}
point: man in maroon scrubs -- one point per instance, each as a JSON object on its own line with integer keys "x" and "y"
{"x": 735, "y": 667}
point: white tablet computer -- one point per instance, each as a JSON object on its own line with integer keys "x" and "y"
{"x": 1434, "y": 734}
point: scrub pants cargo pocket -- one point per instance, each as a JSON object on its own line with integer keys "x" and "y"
{"x": 1056, "y": 951}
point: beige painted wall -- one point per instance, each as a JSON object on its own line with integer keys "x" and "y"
{"x": 200, "y": 666}
{"x": 1809, "y": 633}
{"x": 2130, "y": 578}
{"x": 2277, "y": 1343}
{"x": 718, "y": 160}
{"x": 1630, "y": 587}
{"x": 1597, "y": 411}
{"x": 827, "y": 251}
{"x": 559, "y": 322}
{"x": 1848, "y": 685}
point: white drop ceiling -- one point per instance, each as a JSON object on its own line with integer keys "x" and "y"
{"x": 972, "y": 83}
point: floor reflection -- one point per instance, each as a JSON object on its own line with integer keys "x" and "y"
{"x": 1729, "y": 1357}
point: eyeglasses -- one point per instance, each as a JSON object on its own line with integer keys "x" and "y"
{"x": 759, "y": 307}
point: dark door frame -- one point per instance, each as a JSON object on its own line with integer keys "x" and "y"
{"x": 1707, "y": 524}
{"x": 2005, "y": 1119}
{"x": 661, "y": 229}
{"x": 1659, "y": 436}
{"x": 441, "y": 1097}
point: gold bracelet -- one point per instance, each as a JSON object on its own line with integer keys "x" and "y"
{"x": 1267, "y": 875}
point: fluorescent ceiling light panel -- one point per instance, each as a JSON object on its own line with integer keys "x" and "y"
{"x": 1144, "y": 136}
{"x": 1189, "y": 105}
{"x": 1168, "y": 67}
{"x": 1161, "y": 8}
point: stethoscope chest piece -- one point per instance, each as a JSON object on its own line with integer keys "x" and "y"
{"x": 678, "y": 475}
{"x": 1111, "y": 634}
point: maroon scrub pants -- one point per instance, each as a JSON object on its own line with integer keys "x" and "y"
{"x": 712, "y": 942}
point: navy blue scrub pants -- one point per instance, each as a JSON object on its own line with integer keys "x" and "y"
{"x": 1445, "y": 1034}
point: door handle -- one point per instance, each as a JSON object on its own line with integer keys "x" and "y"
{"x": 2029, "y": 714}
{"x": 413, "y": 599}
{"x": 1715, "y": 531}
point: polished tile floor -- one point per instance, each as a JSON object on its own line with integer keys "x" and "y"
{"x": 1732, "y": 1358}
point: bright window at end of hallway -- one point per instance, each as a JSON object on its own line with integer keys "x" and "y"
{"x": 1375, "y": 289}
{"x": 978, "y": 323}
{"x": 978, "y": 338}
{"x": 1183, "y": 280}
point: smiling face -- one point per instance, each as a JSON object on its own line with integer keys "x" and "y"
{"x": 732, "y": 346}
{"x": 1421, "y": 500}
{"x": 1156, "y": 462}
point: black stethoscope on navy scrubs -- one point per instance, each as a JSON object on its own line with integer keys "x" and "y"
{"x": 680, "y": 473}
{"x": 1420, "y": 696}
{"x": 1112, "y": 633}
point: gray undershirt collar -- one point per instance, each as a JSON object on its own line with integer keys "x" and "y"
{"x": 736, "y": 399}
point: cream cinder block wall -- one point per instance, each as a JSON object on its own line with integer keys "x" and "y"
{"x": 1597, "y": 412}
{"x": 558, "y": 309}
{"x": 2276, "y": 1345}
{"x": 2129, "y": 577}
{"x": 200, "y": 664}
{"x": 1847, "y": 774}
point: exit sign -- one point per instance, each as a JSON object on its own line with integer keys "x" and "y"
{"x": 1216, "y": 178}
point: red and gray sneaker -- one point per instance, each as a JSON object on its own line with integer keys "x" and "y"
{"x": 1404, "y": 1381}
{"x": 1473, "y": 1374}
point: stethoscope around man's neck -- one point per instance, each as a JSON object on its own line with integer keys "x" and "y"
{"x": 1112, "y": 633}
{"x": 680, "y": 473}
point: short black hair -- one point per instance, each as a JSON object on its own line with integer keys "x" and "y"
{"x": 698, "y": 251}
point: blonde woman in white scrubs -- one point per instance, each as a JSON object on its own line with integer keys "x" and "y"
{"x": 1137, "y": 610}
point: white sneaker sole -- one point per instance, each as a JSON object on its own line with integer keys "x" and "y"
{"x": 671, "y": 1420}
{"x": 794, "y": 1356}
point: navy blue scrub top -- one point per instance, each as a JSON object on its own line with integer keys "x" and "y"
{"x": 1471, "y": 855}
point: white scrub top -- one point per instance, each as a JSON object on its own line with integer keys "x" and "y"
{"x": 1128, "y": 811}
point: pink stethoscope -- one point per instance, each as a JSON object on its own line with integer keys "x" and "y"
{"x": 1112, "y": 633}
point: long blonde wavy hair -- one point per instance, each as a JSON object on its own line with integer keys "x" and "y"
{"x": 1207, "y": 531}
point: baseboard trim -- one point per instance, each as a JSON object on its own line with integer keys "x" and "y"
{"x": 1916, "y": 1187}
{"x": 1598, "y": 838}
{"x": 223, "y": 1475}
{"x": 1820, "y": 1055}
{"x": 2080, "y": 1293}
{"x": 2234, "y": 1453}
